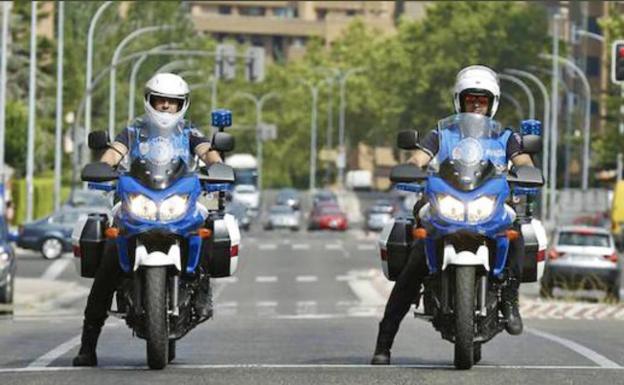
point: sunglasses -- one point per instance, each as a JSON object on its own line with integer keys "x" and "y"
{"x": 476, "y": 99}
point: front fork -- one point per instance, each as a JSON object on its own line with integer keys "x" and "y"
{"x": 446, "y": 288}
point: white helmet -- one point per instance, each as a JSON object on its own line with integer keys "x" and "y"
{"x": 169, "y": 86}
{"x": 477, "y": 79}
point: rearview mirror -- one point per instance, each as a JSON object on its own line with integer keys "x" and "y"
{"x": 408, "y": 140}
{"x": 526, "y": 176}
{"x": 531, "y": 144}
{"x": 98, "y": 140}
{"x": 98, "y": 172}
{"x": 407, "y": 173}
{"x": 222, "y": 142}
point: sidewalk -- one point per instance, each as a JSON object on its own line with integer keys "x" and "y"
{"x": 35, "y": 295}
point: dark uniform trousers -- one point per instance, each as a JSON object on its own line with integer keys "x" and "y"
{"x": 106, "y": 281}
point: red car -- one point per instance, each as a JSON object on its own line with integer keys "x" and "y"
{"x": 327, "y": 216}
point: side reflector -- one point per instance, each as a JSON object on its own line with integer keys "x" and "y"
{"x": 513, "y": 235}
{"x": 541, "y": 255}
{"x": 111, "y": 232}
{"x": 204, "y": 233}
{"x": 419, "y": 233}
{"x": 76, "y": 250}
{"x": 234, "y": 251}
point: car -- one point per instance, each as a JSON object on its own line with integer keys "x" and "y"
{"x": 51, "y": 235}
{"x": 283, "y": 216}
{"x": 377, "y": 216}
{"x": 248, "y": 195}
{"x": 241, "y": 213}
{"x": 289, "y": 197}
{"x": 91, "y": 199}
{"x": 8, "y": 266}
{"x": 581, "y": 257}
{"x": 323, "y": 196}
{"x": 329, "y": 216}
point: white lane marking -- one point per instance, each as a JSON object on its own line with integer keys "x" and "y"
{"x": 266, "y": 303}
{"x": 333, "y": 246}
{"x": 301, "y": 246}
{"x": 344, "y": 278}
{"x": 586, "y": 352}
{"x": 366, "y": 247}
{"x": 55, "y": 353}
{"x": 56, "y": 268}
{"x": 306, "y": 278}
{"x": 295, "y": 366}
{"x": 227, "y": 279}
{"x": 267, "y": 246}
{"x": 365, "y": 291}
{"x": 266, "y": 278}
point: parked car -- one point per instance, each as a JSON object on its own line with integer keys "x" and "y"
{"x": 52, "y": 234}
{"x": 327, "y": 216}
{"x": 248, "y": 195}
{"x": 289, "y": 197}
{"x": 323, "y": 196}
{"x": 581, "y": 258}
{"x": 7, "y": 266}
{"x": 378, "y": 215}
{"x": 94, "y": 200}
{"x": 241, "y": 213}
{"x": 283, "y": 216}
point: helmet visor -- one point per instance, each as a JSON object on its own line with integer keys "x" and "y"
{"x": 165, "y": 103}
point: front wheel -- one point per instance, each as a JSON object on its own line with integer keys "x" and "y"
{"x": 155, "y": 303}
{"x": 464, "y": 316}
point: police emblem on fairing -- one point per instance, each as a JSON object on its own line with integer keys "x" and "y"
{"x": 160, "y": 151}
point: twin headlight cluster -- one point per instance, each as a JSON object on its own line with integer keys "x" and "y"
{"x": 474, "y": 211}
{"x": 170, "y": 209}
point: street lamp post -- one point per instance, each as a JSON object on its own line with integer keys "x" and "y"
{"x": 259, "y": 103}
{"x": 546, "y": 130}
{"x": 113, "y": 71}
{"x": 579, "y": 72}
{"x": 554, "y": 94}
{"x": 342, "y": 79}
{"x": 58, "y": 153}
{"x": 314, "y": 88}
{"x": 30, "y": 151}
{"x": 89, "y": 74}
{"x": 6, "y": 9}
{"x": 526, "y": 90}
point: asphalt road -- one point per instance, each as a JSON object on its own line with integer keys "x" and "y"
{"x": 303, "y": 309}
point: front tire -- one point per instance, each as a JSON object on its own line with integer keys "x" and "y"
{"x": 172, "y": 350}
{"x": 464, "y": 316}
{"x": 157, "y": 331}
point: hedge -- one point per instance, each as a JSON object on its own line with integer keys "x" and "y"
{"x": 43, "y": 198}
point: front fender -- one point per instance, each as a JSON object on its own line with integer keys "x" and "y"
{"x": 157, "y": 258}
{"x": 466, "y": 258}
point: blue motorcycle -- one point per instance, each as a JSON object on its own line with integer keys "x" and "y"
{"x": 167, "y": 241}
{"x": 465, "y": 227}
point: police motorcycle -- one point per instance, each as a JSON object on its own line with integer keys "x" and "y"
{"x": 466, "y": 227}
{"x": 166, "y": 240}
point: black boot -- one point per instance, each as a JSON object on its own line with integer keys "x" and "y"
{"x": 382, "y": 349}
{"x": 203, "y": 299}
{"x": 511, "y": 313}
{"x": 86, "y": 355}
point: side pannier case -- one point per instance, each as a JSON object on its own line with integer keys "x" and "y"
{"x": 220, "y": 252}
{"x": 535, "y": 243}
{"x": 88, "y": 242}
{"x": 394, "y": 244}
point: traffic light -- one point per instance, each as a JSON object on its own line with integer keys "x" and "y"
{"x": 617, "y": 62}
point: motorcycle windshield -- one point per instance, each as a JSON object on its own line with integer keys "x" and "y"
{"x": 158, "y": 160}
{"x": 466, "y": 165}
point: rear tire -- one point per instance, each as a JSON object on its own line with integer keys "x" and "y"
{"x": 464, "y": 316}
{"x": 157, "y": 331}
{"x": 546, "y": 288}
{"x": 477, "y": 353}
{"x": 6, "y": 291}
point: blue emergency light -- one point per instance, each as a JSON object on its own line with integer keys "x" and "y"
{"x": 221, "y": 118}
{"x": 531, "y": 127}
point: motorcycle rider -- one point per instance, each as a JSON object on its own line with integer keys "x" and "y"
{"x": 477, "y": 91}
{"x": 167, "y": 98}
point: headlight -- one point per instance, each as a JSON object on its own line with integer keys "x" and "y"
{"x": 450, "y": 207}
{"x": 173, "y": 207}
{"x": 480, "y": 209}
{"x": 142, "y": 207}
